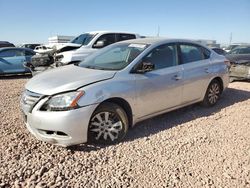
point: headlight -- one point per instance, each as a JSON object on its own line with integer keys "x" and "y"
{"x": 62, "y": 102}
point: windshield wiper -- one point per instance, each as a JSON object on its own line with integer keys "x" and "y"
{"x": 90, "y": 67}
{"x": 97, "y": 68}
{"x": 102, "y": 68}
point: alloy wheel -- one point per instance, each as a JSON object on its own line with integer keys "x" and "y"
{"x": 106, "y": 125}
{"x": 214, "y": 93}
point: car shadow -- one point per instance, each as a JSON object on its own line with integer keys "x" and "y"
{"x": 248, "y": 81}
{"x": 171, "y": 119}
{"x": 186, "y": 114}
{"x": 16, "y": 76}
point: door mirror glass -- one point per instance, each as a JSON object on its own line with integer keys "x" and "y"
{"x": 99, "y": 44}
{"x": 105, "y": 40}
{"x": 145, "y": 67}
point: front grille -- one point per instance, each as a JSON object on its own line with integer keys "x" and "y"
{"x": 29, "y": 99}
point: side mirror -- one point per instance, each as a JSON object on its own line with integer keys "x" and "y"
{"x": 99, "y": 44}
{"x": 145, "y": 67}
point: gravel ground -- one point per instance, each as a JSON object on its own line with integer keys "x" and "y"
{"x": 190, "y": 147}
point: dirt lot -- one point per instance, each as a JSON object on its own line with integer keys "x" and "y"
{"x": 190, "y": 147}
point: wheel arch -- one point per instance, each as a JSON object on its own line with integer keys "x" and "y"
{"x": 124, "y": 105}
{"x": 219, "y": 79}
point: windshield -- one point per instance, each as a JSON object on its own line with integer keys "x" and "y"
{"x": 83, "y": 39}
{"x": 114, "y": 57}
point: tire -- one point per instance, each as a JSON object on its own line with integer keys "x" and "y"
{"x": 212, "y": 94}
{"x": 108, "y": 124}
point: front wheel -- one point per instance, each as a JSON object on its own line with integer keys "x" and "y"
{"x": 212, "y": 94}
{"x": 108, "y": 124}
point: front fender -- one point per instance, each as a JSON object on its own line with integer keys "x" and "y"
{"x": 113, "y": 88}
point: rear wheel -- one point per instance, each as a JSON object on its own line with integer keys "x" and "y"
{"x": 212, "y": 94}
{"x": 108, "y": 124}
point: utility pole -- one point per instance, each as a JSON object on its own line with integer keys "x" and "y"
{"x": 158, "y": 31}
{"x": 230, "y": 39}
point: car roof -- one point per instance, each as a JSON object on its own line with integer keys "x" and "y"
{"x": 105, "y": 32}
{"x": 30, "y": 43}
{"x": 156, "y": 40}
{"x": 4, "y": 42}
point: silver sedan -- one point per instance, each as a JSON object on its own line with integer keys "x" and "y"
{"x": 118, "y": 86}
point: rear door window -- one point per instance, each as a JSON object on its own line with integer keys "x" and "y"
{"x": 163, "y": 56}
{"x": 191, "y": 53}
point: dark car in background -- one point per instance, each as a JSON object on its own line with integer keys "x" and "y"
{"x": 12, "y": 60}
{"x": 4, "y": 44}
{"x": 239, "y": 59}
{"x": 231, "y": 47}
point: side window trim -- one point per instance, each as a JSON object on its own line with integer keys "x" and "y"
{"x": 202, "y": 49}
{"x": 179, "y": 53}
{"x": 117, "y": 37}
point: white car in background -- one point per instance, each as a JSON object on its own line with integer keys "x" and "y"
{"x": 44, "y": 49}
{"x": 87, "y": 43}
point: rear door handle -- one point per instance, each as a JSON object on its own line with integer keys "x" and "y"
{"x": 207, "y": 70}
{"x": 177, "y": 77}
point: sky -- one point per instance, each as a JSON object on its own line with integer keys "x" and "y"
{"x": 32, "y": 21}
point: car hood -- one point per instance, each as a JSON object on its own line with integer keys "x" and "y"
{"x": 71, "y": 44}
{"x": 66, "y": 78}
{"x": 68, "y": 47}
